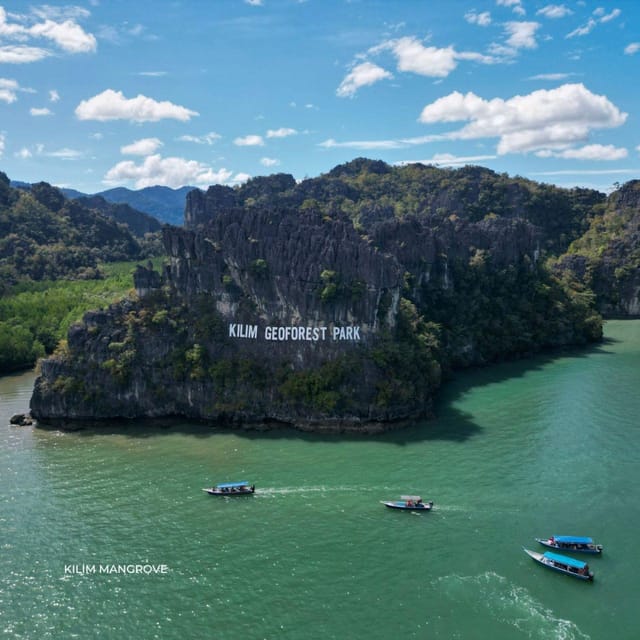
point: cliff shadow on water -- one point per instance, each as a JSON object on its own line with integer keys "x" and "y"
{"x": 448, "y": 423}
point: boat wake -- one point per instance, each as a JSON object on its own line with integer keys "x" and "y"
{"x": 272, "y": 492}
{"x": 508, "y": 604}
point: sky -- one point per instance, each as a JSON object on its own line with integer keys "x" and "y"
{"x": 106, "y": 93}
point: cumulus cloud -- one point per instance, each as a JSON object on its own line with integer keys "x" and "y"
{"x": 515, "y": 4}
{"x": 249, "y": 141}
{"x": 283, "y": 132}
{"x": 522, "y": 35}
{"x": 589, "y": 152}
{"x": 112, "y": 105}
{"x": 40, "y": 112}
{"x": 554, "y": 11}
{"x": 143, "y": 147}
{"x": 55, "y": 24}
{"x": 552, "y": 119}
{"x": 254, "y": 3}
{"x": 269, "y": 162}
{"x": 632, "y": 48}
{"x": 481, "y": 19}
{"x": 362, "y": 75}
{"x": 169, "y": 172}
{"x": 54, "y": 96}
{"x": 68, "y": 35}
{"x": 2, "y": 139}
{"x": 23, "y": 154}
{"x": 8, "y": 90}
{"x": 412, "y": 56}
{"x": 207, "y": 138}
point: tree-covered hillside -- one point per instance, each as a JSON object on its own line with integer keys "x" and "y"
{"x": 44, "y": 236}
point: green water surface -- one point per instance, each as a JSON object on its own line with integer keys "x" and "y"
{"x": 519, "y": 450}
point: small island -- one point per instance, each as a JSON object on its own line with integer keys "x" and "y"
{"x": 342, "y": 302}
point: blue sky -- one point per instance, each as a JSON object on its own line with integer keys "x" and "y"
{"x": 107, "y": 93}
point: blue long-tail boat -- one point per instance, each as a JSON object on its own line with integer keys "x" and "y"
{"x": 242, "y": 488}
{"x": 571, "y": 543}
{"x": 563, "y": 564}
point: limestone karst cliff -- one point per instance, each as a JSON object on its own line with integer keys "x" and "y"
{"x": 279, "y": 308}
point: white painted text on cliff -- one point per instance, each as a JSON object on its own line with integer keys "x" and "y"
{"x": 282, "y": 334}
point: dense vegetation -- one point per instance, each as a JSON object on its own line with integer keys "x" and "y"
{"x": 370, "y": 191}
{"x": 35, "y": 316}
{"x": 44, "y": 236}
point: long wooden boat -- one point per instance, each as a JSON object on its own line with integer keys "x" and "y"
{"x": 571, "y": 543}
{"x": 409, "y": 503}
{"x": 242, "y": 488}
{"x": 563, "y": 564}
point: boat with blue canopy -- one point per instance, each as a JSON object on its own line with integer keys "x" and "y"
{"x": 409, "y": 503}
{"x": 241, "y": 488}
{"x": 563, "y": 564}
{"x": 571, "y": 543}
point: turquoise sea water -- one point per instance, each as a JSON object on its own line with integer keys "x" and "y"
{"x": 519, "y": 450}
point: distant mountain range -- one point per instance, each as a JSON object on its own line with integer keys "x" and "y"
{"x": 163, "y": 203}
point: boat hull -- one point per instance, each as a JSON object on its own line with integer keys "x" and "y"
{"x": 540, "y": 559}
{"x": 427, "y": 506}
{"x": 595, "y": 548}
{"x": 218, "y": 492}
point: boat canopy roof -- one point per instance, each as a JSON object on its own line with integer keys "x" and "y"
{"x": 570, "y": 562}
{"x": 573, "y": 539}
{"x": 228, "y": 485}
{"x": 414, "y": 498}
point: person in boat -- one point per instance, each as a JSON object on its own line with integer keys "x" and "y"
{"x": 409, "y": 503}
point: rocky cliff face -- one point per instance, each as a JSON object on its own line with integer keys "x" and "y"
{"x": 273, "y": 310}
{"x": 607, "y": 258}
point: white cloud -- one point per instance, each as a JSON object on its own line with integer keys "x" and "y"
{"x": 8, "y": 89}
{"x": 554, "y": 11}
{"x": 170, "y": 172}
{"x": 589, "y": 152}
{"x": 283, "y": 132}
{"x": 68, "y": 35}
{"x": 23, "y": 154}
{"x": 254, "y": 3}
{"x": 54, "y": 96}
{"x": 362, "y": 75}
{"x": 208, "y": 138}
{"x": 143, "y": 147}
{"x": 583, "y": 30}
{"x": 522, "y": 35}
{"x": 552, "y": 119}
{"x": 610, "y": 16}
{"x": 64, "y": 154}
{"x": 592, "y": 23}
{"x": 2, "y": 139}
{"x": 40, "y": 112}
{"x": 240, "y": 177}
{"x": 412, "y": 56}
{"x": 21, "y": 54}
{"x": 551, "y": 76}
{"x": 365, "y": 145}
{"x": 112, "y": 105}
{"x": 481, "y": 19}
{"x": 449, "y": 160}
{"x": 516, "y": 4}
{"x": 269, "y": 162}
{"x": 153, "y": 74}
{"x": 249, "y": 141}
{"x": 632, "y": 48}
{"x": 57, "y": 24}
